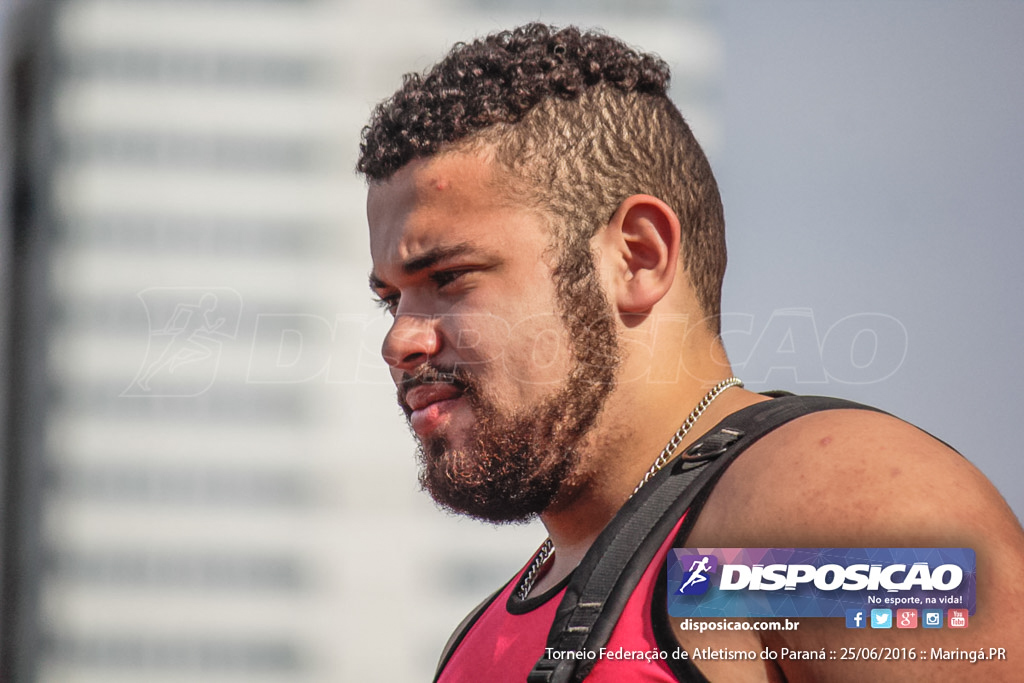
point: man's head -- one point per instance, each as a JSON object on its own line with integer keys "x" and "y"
{"x": 490, "y": 177}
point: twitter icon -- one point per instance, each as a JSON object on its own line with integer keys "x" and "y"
{"x": 881, "y": 618}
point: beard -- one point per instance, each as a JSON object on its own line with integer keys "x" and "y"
{"x": 516, "y": 464}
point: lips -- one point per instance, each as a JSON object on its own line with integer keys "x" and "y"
{"x": 429, "y": 406}
{"x": 421, "y": 396}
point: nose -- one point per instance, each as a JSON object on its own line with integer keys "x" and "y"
{"x": 411, "y": 341}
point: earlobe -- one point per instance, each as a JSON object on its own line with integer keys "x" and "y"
{"x": 645, "y": 232}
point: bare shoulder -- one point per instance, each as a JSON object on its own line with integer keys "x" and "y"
{"x": 855, "y": 477}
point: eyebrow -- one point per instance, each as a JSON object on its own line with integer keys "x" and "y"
{"x": 423, "y": 261}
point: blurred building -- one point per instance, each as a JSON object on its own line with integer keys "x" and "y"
{"x": 206, "y": 477}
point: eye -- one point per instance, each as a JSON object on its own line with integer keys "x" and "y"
{"x": 443, "y": 278}
{"x": 387, "y": 302}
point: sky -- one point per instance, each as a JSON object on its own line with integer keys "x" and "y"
{"x": 872, "y": 170}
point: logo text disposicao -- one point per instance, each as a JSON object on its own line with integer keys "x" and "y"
{"x": 830, "y": 577}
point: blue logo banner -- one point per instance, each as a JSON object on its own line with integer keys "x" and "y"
{"x": 818, "y": 582}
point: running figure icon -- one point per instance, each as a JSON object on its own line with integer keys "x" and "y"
{"x": 188, "y": 327}
{"x": 698, "y": 570}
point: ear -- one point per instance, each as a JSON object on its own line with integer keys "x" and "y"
{"x": 642, "y": 244}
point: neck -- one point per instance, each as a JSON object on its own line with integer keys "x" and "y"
{"x": 638, "y": 422}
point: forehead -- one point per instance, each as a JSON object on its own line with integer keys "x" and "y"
{"x": 439, "y": 202}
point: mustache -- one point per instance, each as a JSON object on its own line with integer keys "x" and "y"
{"x": 430, "y": 374}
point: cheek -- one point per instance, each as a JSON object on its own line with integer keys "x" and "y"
{"x": 547, "y": 349}
{"x": 539, "y": 351}
{"x": 475, "y": 340}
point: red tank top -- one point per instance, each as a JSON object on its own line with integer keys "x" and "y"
{"x": 508, "y": 638}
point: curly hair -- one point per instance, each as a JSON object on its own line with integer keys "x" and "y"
{"x": 579, "y": 120}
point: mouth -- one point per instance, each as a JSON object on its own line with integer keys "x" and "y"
{"x": 428, "y": 403}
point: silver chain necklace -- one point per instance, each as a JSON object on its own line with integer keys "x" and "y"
{"x": 548, "y": 547}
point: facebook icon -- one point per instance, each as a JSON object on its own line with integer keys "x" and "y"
{"x": 856, "y": 618}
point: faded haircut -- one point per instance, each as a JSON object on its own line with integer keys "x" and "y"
{"x": 578, "y": 121}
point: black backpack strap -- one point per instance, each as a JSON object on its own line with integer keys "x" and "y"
{"x": 606, "y": 578}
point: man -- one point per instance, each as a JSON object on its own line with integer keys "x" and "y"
{"x": 549, "y": 238}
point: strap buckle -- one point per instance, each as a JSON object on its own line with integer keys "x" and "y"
{"x": 552, "y": 671}
{"x": 713, "y": 445}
